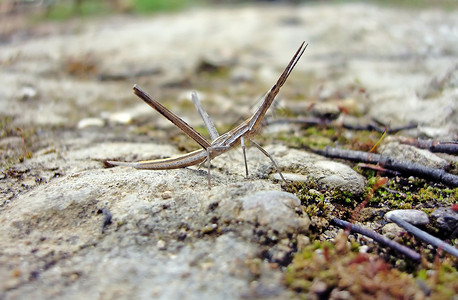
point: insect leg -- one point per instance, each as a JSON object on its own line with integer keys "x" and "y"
{"x": 242, "y": 143}
{"x": 271, "y": 158}
{"x": 208, "y": 122}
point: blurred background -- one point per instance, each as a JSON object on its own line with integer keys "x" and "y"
{"x": 63, "y": 9}
{"x": 71, "y": 64}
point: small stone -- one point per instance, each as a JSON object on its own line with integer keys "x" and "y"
{"x": 90, "y": 122}
{"x": 325, "y": 173}
{"x": 392, "y": 230}
{"x": 319, "y": 288}
{"x": 433, "y": 131}
{"x": 339, "y": 176}
{"x": 161, "y": 245}
{"x": 364, "y": 249}
{"x": 314, "y": 192}
{"x": 166, "y": 195}
{"x": 325, "y": 110}
{"x": 302, "y": 241}
{"x": 29, "y": 182}
{"x": 11, "y": 283}
{"x": 446, "y": 218}
{"x": 274, "y": 210}
{"x": 74, "y": 276}
{"x": 121, "y": 118}
{"x": 209, "y": 228}
{"x": 413, "y": 216}
{"x": 280, "y": 252}
{"x": 342, "y": 295}
{"x": 28, "y": 92}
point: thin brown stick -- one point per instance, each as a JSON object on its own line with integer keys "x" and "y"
{"x": 377, "y": 237}
{"x": 330, "y": 123}
{"x": 434, "y": 146}
{"x": 425, "y": 236}
{"x": 406, "y": 168}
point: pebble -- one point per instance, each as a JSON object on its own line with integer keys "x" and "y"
{"x": 413, "y": 216}
{"x": 280, "y": 252}
{"x": 274, "y": 210}
{"x": 90, "y": 122}
{"x": 121, "y": 118}
{"x": 325, "y": 110}
{"x": 446, "y": 218}
{"x": 319, "y": 288}
{"x": 28, "y": 92}
{"x": 332, "y": 175}
{"x": 392, "y": 230}
{"x": 166, "y": 195}
{"x": 364, "y": 249}
{"x": 302, "y": 241}
{"x": 335, "y": 175}
{"x": 161, "y": 245}
{"x": 29, "y": 182}
{"x": 329, "y": 174}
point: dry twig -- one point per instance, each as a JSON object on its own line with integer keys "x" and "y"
{"x": 377, "y": 237}
{"x": 328, "y": 122}
{"x": 434, "y": 146}
{"x": 425, "y": 236}
{"x": 406, "y": 168}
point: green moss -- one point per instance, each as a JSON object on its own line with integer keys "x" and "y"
{"x": 63, "y": 10}
{"x": 317, "y": 137}
{"x": 6, "y": 128}
{"x": 320, "y": 204}
{"x": 312, "y": 137}
{"x": 362, "y": 140}
{"x": 416, "y": 193}
{"x": 340, "y": 267}
{"x": 146, "y": 6}
{"x": 420, "y": 4}
{"x": 442, "y": 279}
{"x": 12, "y": 155}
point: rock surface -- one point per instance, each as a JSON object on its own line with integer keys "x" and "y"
{"x": 413, "y": 216}
{"x": 271, "y": 210}
{"x": 169, "y": 236}
{"x": 412, "y": 154}
{"x": 446, "y": 218}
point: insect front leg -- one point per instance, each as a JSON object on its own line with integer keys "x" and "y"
{"x": 242, "y": 143}
{"x": 213, "y": 152}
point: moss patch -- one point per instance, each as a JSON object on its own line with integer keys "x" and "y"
{"x": 333, "y": 270}
{"x": 402, "y": 193}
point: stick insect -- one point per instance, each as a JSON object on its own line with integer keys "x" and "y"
{"x": 220, "y": 143}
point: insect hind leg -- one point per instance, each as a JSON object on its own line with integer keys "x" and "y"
{"x": 271, "y": 159}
